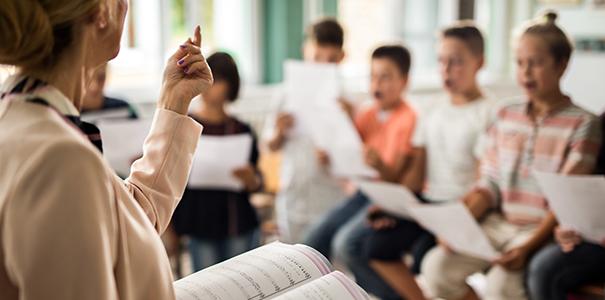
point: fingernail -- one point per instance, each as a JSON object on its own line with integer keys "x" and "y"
{"x": 180, "y": 62}
{"x": 183, "y": 46}
{"x": 186, "y": 70}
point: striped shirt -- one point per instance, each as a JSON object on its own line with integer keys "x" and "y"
{"x": 566, "y": 140}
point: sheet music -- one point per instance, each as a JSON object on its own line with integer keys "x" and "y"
{"x": 215, "y": 159}
{"x": 578, "y": 202}
{"x": 311, "y": 93}
{"x": 393, "y": 198}
{"x": 334, "y": 286}
{"x": 455, "y": 224}
{"x": 123, "y": 142}
{"x": 262, "y": 273}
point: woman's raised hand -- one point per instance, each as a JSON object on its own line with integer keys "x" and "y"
{"x": 186, "y": 75}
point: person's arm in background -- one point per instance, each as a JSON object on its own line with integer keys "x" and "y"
{"x": 283, "y": 123}
{"x": 158, "y": 179}
{"x": 414, "y": 179}
{"x": 486, "y": 194}
{"x": 400, "y": 166}
{"x": 250, "y": 175}
{"x": 389, "y": 173}
{"x": 347, "y": 107}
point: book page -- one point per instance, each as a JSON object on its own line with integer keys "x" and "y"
{"x": 215, "y": 159}
{"x": 578, "y": 202}
{"x": 311, "y": 95}
{"x": 455, "y": 224}
{"x": 334, "y": 286}
{"x": 261, "y": 273}
{"x": 393, "y": 198}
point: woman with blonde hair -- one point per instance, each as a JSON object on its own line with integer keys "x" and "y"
{"x": 69, "y": 227}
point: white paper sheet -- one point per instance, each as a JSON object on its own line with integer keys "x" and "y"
{"x": 216, "y": 157}
{"x": 455, "y": 224}
{"x": 311, "y": 95}
{"x": 393, "y": 198}
{"x": 329, "y": 287}
{"x": 578, "y": 202}
{"x": 262, "y": 273}
{"x": 115, "y": 114}
{"x": 123, "y": 142}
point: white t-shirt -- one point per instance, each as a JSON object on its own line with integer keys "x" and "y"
{"x": 453, "y": 136}
{"x": 307, "y": 190}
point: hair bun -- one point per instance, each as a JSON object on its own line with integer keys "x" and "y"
{"x": 26, "y": 33}
{"x": 550, "y": 17}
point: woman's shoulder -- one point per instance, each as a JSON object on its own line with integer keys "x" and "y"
{"x": 42, "y": 137}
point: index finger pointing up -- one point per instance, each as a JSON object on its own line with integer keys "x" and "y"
{"x": 197, "y": 36}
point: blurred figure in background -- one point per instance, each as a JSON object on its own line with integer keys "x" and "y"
{"x": 306, "y": 189}
{"x": 96, "y": 106}
{"x": 220, "y": 223}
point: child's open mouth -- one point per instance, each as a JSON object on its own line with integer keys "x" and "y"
{"x": 530, "y": 85}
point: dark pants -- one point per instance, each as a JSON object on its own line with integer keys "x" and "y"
{"x": 391, "y": 244}
{"x": 552, "y": 274}
{"x": 339, "y": 233}
{"x": 322, "y": 233}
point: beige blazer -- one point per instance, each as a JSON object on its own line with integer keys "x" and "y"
{"x": 69, "y": 227}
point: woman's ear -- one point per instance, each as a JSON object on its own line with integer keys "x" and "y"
{"x": 100, "y": 17}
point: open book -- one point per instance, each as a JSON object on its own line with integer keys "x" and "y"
{"x": 273, "y": 271}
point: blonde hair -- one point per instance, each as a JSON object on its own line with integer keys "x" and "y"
{"x": 34, "y": 33}
{"x": 555, "y": 38}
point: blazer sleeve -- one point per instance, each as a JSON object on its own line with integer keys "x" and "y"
{"x": 61, "y": 231}
{"x": 158, "y": 179}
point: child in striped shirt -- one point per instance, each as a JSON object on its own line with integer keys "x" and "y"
{"x": 561, "y": 268}
{"x": 547, "y": 133}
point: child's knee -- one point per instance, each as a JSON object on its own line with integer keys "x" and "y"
{"x": 503, "y": 284}
{"x": 439, "y": 271}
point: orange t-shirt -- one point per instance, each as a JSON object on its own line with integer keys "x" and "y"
{"x": 389, "y": 133}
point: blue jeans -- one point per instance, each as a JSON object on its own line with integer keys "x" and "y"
{"x": 207, "y": 252}
{"x": 348, "y": 249}
{"x": 322, "y": 233}
{"x": 552, "y": 274}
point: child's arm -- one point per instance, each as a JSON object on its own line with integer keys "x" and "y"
{"x": 478, "y": 202}
{"x": 283, "y": 124}
{"x": 388, "y": 173}
{"x": 415, "y": 176}
{"x": 347, "y": 107}
{"x": 516, "y": 258}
